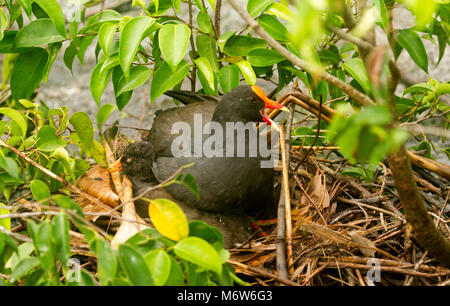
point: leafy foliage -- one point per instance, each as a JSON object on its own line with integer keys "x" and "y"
{"x": 161, "y": 48}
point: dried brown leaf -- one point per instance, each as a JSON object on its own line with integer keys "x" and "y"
{"x": 367, "y": 247}
{"x": 317, "y": 191}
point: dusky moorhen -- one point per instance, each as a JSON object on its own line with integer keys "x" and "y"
{"x": 227, "y": 185}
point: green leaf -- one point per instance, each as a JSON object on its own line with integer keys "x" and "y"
{"x": 10, "y": 166}
{"x": 60, "y": 237}
{"x": 3, "y": 23}
{"x": 26, "y": 5}
{"x": 106, "y": 35}
{"x": 204, "y": 22}
{"x": 36, "y": 33}
{"x": 43, "y": 246}
{"x": 17, "y": 117}
{"x": 206, "y": 47}
{"x": 199, "y": 252}
{"x": 280, "y": 10}
{"x": 158, "y": 262}
{"x": 229, "y": 77}
{"x": 176, "y": 275}
{"x": 264, "y": 57}
{"x": 40, "y": 190}
{"x": 69, "y": 55}
{"x": 173, "y": 42}
{"x": 242, "y": 45}
{"x": 164, "y": 78}
{"x": 189, "y": 181}
{"x": 106, "y": 261}
{"x": 47, "y": 139}
{"x": 132, "y": 34}
{"x": 110, "y": 62}
{"x": 134, "y": 266}
{"x": 355, "y": 67}
{"x": 204, "y": 66}
{"x": 421, "y": 88}
{"x": 138, "y": 76}
{"x": 382, "y": 18}
{"x": 5, "y": 222}
{"x": 103, "y": 113}
{"x": 28, "y": 73}
{"x": 203, "y": 230}
{"x": 247, "y": 71}
{"x": 123, "y": 99}
{"x": 440, "y": 32}
{"x": 54, "y": 11}
{"x": 53, "y": 53}
{"x": 67, "y": 203}
{"x": 99, "y": 80}
{"x": 413, "y": 44}
{"x": 23, "y": 268}
{"x": 274, "y": 27}
{"x": 83, "y": 127}
{"x": 223, "y": 40}
{"x": 355, "y": 171}
{"x": 255, "y": 7}
{"x": 168, "y": 219}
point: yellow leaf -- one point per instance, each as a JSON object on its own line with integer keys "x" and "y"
{"x": 169, "y": 219}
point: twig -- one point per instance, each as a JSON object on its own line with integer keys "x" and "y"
{"x": 263, "y": 273}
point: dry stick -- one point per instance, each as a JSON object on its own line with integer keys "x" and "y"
{"x": 217, "y": 18}
{"x": 287, "y": 197}
{"x": 56, "y": 177}
{"x": 348, "y": 89}
{"x": 263, "y": 273}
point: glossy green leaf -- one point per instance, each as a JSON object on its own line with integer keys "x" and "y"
{"x": 4, "y": 222}
{"x": 17, "y": 117}
{"x": 273, "y": 27}
{"x": 3, "y": 23}
{"x": 67, "y": 203}
{"x": 28, "y": 73}
{"x": 255, "y": 7}
{"x": 199, "y": 252}
{"x": 134, "y": 266}
{"x": 164, "y": 78}
{"x": 103, "y": 114}
{"x": 132, "y": 34}
{"x": 206, "y": 47}
{"x": 420, "y": 87}
{"x": 280, "y": 10}
{"x": 158, "y": 263}
{"x": 36, "y": 33}
{"x": 204, "y": 66}
{"x": 229, "y": 77}
{"x": 106, "y": 35}
{"x": 110, "y": 62}
{"x": 247, "y": 71}
{"x": 203, "y": 230}
{"x": 26, "y": 5}
{"x": 99, "y": 80}
{"x": 10, "y": 166}
{"x": 23, "y": 268}
{"x": 223, "y": 39}
{"x": 138, "y": 76}
{"x": 413, "y": 44}
{"x": 382, "y": 18}
{"x": 43, "y": 246}
{"x": 189, "y": 181}
{"x": 39, "y": 190}
{"x": 54, "y": 11}
{"x": 204, "y": 22}
{"x": 176, "y": 275}
{"x": 60, "y": 237}
{"x": 53, "y": 53}
{"x": 242, "y": 45}
{"x": 106, "y": 261}
{"x": 355, "y": 67}
{"x": 83, "y": 127}
{"x": 173, "y": 42}
{"x": 264, "y": 57}
{"x": 47, "y": 139}
{"x": 123, "y": 99}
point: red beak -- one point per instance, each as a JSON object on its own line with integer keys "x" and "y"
{"x": 268, "y": 104}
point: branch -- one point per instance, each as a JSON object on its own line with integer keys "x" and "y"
{"x": 349, "y": 90}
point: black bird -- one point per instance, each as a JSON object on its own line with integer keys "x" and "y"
{"x": 227, "y": 185}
